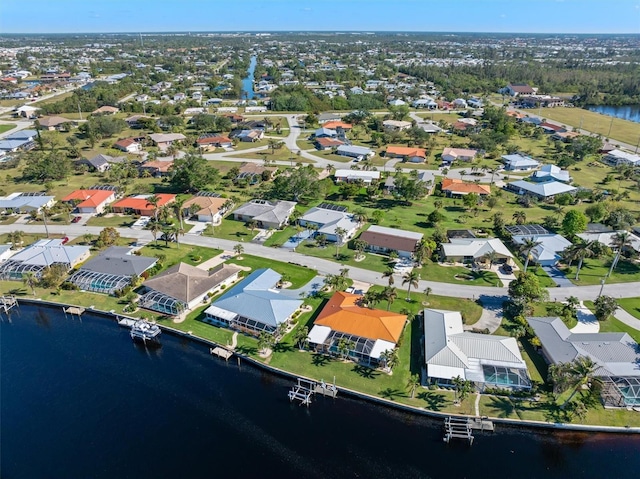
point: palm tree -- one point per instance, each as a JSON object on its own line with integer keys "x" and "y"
{"x": 491, "y": 257}
{"x": 340, "y": 234}
{"x": 178, "y": 210}
{"x": 413, "y": 383}
{"x": 371, "y": 298}
{"x": 619, "y": 241}
{"x": 344, "y": 346}
{"x": 360, "y": 245}
{"x": 462, "y": 388}
{"x": 389, "y": 275}
{"x": 238, "y": 249}
{"x": 582, "y": 373}
{"x": 29, "y": 279}
{"x": 300, "y": 337}
{"x": 390, "y": 358}
{"x": 411, "y": 278}
{"x": 390, "y": 294}
{"x": 45, "y": 212}
{"x": 265, "y": 341}
{"x": 520, "y": 217}
{"x": 583, "y": 250}
{"x": 155, "y": 227}
{"x": 86, "y": 238}
{"x": 423, "y": 251}
{"x": 527, "y": 246}
{"x": 16, "y": 238}
{"x": 153, "y": 201}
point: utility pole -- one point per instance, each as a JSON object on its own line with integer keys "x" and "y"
{"x": 601, "y": 287}
{"x": 610, "y": 126}
{"x": 79, "y": 111}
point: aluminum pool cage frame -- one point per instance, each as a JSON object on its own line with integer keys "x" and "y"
{"x": 99, "y": 282}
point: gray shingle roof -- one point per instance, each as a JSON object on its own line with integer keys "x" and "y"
{"x": 119, "y": 261}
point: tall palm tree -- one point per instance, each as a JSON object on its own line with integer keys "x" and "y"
{"x": 584, "y": 250}
{"x": 30, "y": 279}
{"x": 390, "y": 294}
{"x": 491, "y": 257}
{"x": 520, "y": 217}
{"x": 527, "y": 246}
{"x": 371, "y": 298}
{"x": 411, "y": 278}
{"x": 153, "y": 201}
{"x": 619, "y": 241}
{"x": 300, "y": 337}
{"x": 389, "y": 358}
{"x": 178, "y": 209}
{"x": 413, "y": 383}
{"x": 155, "y": 227}
{"x": 340, "y": 234}
{"x": 423, "y": 251}
{"x": 582, "y": 373}
{"x": 389, "y": 275}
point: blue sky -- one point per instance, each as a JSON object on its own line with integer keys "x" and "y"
{"x": 521, "y": 16}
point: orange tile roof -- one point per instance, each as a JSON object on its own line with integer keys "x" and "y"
{"x": 139, "y": 203}
{"x": 89, "y": 198}
{"x": 458, "y": 186}
{"x": 205, "y": 202}
{"x": 407, "y": 151}
{"x": 342, "y": 314}
{"x": 332, "y": 125}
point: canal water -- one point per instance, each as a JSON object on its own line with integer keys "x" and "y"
{"x": 626, "y": 112}
{"x": 247, "y": 82}
{"x": 80, "y": 400}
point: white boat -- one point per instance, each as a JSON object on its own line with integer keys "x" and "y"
{"x": 145, "y": 331}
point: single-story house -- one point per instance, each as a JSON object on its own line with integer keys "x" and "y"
{"x": 165, "y": 140}
{"x": 40, "y": 255}
{"x": 325, "y": 133}
{"x": 456, "y": 187}
{"x": 207, "y": 143}
{"x": 384, "y": 240}
{"x": 353, "y": 151}
{"x": 5, "y": 252}
{"x": 545, "y": 190}
{"x": 106, "y": 110}
{"x": 546, "y": 101}
{"x": 183, "y": 287}
{"x": 265, "y": 213}
{"x": 463, "y": 250}
{"x": 248, "y": 135}
{"x": 27, "y": 111}
{"x": 550, "y": 128}
{"x": 367, "y": 177}
{"x": 10, "y": 146}
{"x": 139, "y": 204}
{"x": 128, "y": 145}
{"x": 254, "y": 305}
{"x": 337, "y": 125}
{"x": 328, "y": 221}
{"x": 54, "y": 122}
{"x": 111, "y": 270}
{"x": 133, "y": 121}
{"x": 22, "y": 135}
{"x": 606, "y": 238}
{"x": 618, "y": 157}
{"x": 253, "y": 172}
{"x": 616, "y": 355}
{"x": 449, "y": 155}
{"x": 484, "y": 359}
{"x": 565, "y": 136}
{"x": 551, "y": 172}
{"x": 157, "y": 168}
{"x": 325, "y": 117}
{"x": 327, "y": 143}
{"x": 90, "y": 201}
{"x": 25, "y": 202}
{"x": 428, "y": 103}
{"x": 518, "y": 89}
{"x": 209, "y": 209}
{"x": 99, "y": 163}
{"x": 370, "y": 331}
{"x": 396, "y": 125}
{"x": 548, "y": 252}
{"x": 407, "y": 153}
{"x": 518, "y": 162}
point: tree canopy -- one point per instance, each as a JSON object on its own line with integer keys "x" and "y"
{"x": 192, "y": 173}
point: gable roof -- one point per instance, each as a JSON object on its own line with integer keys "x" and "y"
{"x": 207, "y": 204}
{"x": 548, "y": 188}
{"x": 185, "y": 282}
{"x": 119, "y": 261}
{"x": 330, "y": 220}
{"x": 391, "y": 238}
{"x": 255, "y": 297}
{"x": 407, "y": 151}
{"x": 89, "y": 198}
{"x": 262, "y": 210}
{"x": 140, "y": 202}
{"x": 47, "y": 252}
{"x": 342, "y": 314}
{"x": 456, "y": 186}
{"x": 475, "y": 247}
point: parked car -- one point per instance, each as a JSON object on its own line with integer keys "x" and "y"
{"x": 65, "y": 240}
{"x": 506, "y": 269}
{"x": 76, "y": 219}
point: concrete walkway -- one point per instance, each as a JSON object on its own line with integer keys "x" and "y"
{"x": 587, "y": 321}
{"x": 626, "y": 318}
{"x": 216, "y": 260}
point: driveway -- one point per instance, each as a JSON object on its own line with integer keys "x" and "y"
{"x": 587, "y": 322}
{"x": 557, "y": 276}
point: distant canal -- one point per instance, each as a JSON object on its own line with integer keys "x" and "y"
{"x": 79, "y": 399}
{"x": 626, "y": 112}
{"x": 247, "y": 82}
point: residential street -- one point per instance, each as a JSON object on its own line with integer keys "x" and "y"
{"x": 619, "y": 290}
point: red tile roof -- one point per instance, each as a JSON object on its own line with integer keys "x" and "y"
{"x": 89, "y": 198}
{"x": 407, "y": 151}
{"x": 457, "y": 186}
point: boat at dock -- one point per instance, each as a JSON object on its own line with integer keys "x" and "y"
{"x": 145, "y": 331}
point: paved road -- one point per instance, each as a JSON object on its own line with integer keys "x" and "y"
{"x": 20, "y": 125}
{"x": 621, "y": 290}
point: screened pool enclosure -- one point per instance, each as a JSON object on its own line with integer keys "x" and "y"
{"x": 162, "y": 303}
{"x": 99, "y": 282}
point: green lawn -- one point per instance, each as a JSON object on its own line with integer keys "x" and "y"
{"x": 613, "y": 325}
{"x": 232, "y": 230}
{"x": 6, "y": 127}
{"x": 116, "y": 221}
{"x": 595, "y": 269}
{"x": 28, "y": 238}
{"x": 431, "y": 271}
{"x": 631, "y": 306}
{"x": 373, "y": 262}
{"x": 8, "y": 219}
{"x": 175, "y": 254}
{"x": 297, "y": 275}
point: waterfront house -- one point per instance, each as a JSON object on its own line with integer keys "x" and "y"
{"x": 542, "y": 191}
{"x": 265, "y": 213}
{"x": 484, "y": 359}
{"x": 327, "y": 219}
{"x": 349, "y": 176}
{"x": 254, "y": 305}
{"x": 183, "y": 287}
{"x": 369, "y": 332}
{"x": 40, "y": 255}
{"x": 139, "y": 204}
{"x": 90, "y": 201}
{"x": 469, "y": 250}
{"x": 384, "y": 240}
{"x": 616, "y": 355}
{"x": 111, "y": 270}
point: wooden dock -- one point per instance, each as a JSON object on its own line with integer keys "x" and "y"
{"x": 326, "y": 389}
{"x": 303, "y": 391}
{"x": 74, "y": 311}
{"x": 457, "y": 428}
{"x": 126, "y": 322}
{"x": 481, "y": 424}
{"x": 221, "y": 353}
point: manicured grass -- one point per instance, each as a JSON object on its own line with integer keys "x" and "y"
{"x": 8, "y": 219}
{"x": 373, "y": 262}
{"x": 175, "y": 254}
{"x": 280, "y": 237}
{"x": 631, "y": 306}
{"x": 116, "y": 221}
{"x": 447, "y": 274}
{"x": 595, "y": 269}
{"x": 232, "y": 230}
{"x": 28, "y": 238}
{"x": 621, "y": 130}
{"x": 297, "y": 275}
{"x": 7, "y": 127}
{"x": 613, "y": 325}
